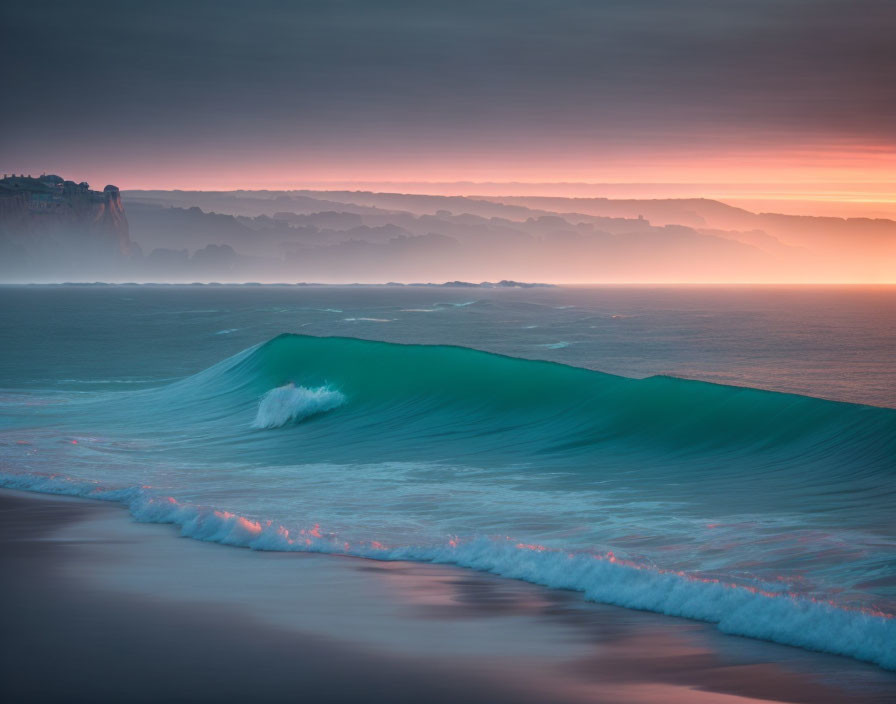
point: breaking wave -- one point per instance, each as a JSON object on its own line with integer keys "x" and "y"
{"x": 290, "y": 403}
{"x": 614, "y": 487}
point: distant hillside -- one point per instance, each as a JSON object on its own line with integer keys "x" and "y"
{"x": 52, "y": 229}
{"x": 864, "y": 248}
{"x": 335, "y": 235}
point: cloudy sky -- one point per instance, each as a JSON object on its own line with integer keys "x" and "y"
{"x": 274, "y": 94}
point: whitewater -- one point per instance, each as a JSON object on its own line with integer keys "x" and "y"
{"x": 769, "y": 514}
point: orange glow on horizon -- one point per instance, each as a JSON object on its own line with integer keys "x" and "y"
{"x": 552, "y": 160}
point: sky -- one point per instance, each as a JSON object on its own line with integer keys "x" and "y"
{"x": 219, "y": 95}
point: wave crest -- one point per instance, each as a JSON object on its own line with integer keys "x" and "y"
{"x": 291, "y": 403}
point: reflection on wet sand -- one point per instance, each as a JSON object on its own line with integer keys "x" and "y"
{"x": 634, "y": 656}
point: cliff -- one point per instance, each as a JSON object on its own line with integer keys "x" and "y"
{"x": 47, "y": 221}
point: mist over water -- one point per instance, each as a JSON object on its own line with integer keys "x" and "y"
{"x": 765, "y": 512}
{"x": 52, "y": 232}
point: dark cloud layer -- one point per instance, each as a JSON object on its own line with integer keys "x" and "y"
{"x": 263, "y": 72}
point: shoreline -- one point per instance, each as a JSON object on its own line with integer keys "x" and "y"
{"x": 101, "y": 606}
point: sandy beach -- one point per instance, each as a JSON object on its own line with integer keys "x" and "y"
{"x": 99, "y": 608}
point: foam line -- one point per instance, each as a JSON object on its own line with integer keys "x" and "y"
{"x": 768, "y": 613}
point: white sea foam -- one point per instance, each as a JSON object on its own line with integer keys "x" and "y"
{"x": 290, "y": 403}
{"x": 765, "y": 613}
{"x": 457, "y": 305}
{"x": 555, "y": 345}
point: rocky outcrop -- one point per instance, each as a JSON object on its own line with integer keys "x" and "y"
{"x": 111, "y": 219}
{"x": 47, "y": 221}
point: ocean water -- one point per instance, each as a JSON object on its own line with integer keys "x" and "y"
{"x": 722, "y": 454}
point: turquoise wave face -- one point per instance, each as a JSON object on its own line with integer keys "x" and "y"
{"x": 768, "y": 513}
{"x": 445, "y": 394}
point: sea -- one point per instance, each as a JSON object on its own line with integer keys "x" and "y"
{"x": 723, "y": 454}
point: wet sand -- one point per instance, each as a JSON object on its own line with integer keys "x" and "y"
{"x": 97, "y": 608}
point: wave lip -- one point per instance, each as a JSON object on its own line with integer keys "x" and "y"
{"x": 291, "y": 403}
